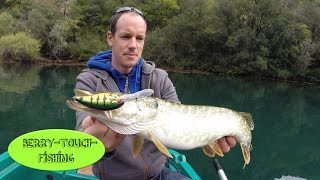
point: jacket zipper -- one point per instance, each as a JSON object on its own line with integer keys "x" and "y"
{"x": 126, "y": 86}
{"x": 146, "y": 167}
{"x": 147, "y": 171}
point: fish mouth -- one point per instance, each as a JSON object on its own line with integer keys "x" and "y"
{"x": 246, "y": 148}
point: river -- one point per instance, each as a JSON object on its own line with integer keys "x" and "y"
{"x": 286, "y": 116}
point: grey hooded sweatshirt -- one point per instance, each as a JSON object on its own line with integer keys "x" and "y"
{"x": 122, "y": 165}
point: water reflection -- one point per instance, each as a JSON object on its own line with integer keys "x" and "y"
{"x": 19, "y": 78}
{"x": 34, "y": 107}
{"x": 16, "y": 80}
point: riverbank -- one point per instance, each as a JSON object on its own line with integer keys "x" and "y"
{"x": 47, "y": 62}
{"x": 195, "y": 71}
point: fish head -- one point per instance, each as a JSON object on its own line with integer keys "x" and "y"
{"x": 142, "y": 109}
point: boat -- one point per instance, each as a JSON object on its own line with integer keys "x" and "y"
{"x": 11, "y": 170}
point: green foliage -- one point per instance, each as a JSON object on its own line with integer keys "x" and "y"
{"x": 19, "y": 47}
{"x": 37, "y": 24}
{"x": 283, "y": 74}
{"x": 238, "y": 37}
{"x": 265, "y": 38}
{"x": 158, "y": 48}
{"x": 93, "y": 15}
{"x": 6, "y": 23}
{"x": 159, "y": 12}
{"x": 59, "y": 36}
{"x": 309, "y": 13}
{"x": 86, "y": 45}
{"x": 314, "y": 74}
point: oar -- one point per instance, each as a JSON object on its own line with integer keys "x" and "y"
{"x": 219, "y": 170}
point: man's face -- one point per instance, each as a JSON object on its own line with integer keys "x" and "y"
{"x": 127, "y": 42}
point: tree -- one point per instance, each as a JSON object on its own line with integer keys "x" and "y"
{"x": 6, "y": 23}
{"x": 159, "y": 12}
{"x": 308, "y": 12}
{"x": 58, "y": 37}
{"x": 19, "y": 47}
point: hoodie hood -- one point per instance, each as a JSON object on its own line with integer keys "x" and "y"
{"x": 102, "y": 61}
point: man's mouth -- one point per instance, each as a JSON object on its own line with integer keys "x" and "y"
{"x": 130, "y": 55}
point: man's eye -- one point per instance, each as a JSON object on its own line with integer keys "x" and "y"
{"x": 140, "y": 38}
{"x": 126, "y": 37}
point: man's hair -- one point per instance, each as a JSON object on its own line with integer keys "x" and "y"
{"x": 119, "y": 12}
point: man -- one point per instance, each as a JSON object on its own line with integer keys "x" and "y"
{"x": 123, "y": 69}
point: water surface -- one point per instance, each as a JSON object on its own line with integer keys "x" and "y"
{"x": 286, "y": 116}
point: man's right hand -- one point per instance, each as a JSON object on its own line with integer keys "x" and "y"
{"x": 109, "y": 138}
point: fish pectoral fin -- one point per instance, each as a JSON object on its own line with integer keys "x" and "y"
{"x": 208, "y": 151}
{"x": 159, "y": 145}
{"x": 137, "y": 145}
{"x": 212, "y": 149}
{"x": 108, "y": 114}
{"x": 245, "y": 148}
{"x": 80, "y": 92}
{"x": 215, "y": 146}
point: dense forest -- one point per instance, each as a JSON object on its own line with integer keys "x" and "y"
{"x": 263, "y": 38}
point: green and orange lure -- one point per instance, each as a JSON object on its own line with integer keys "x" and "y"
{"x": 101, "y": 101}
{"x": 106, "y": 100}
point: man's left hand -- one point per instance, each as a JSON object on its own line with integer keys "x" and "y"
{"x": 226, "y": 143}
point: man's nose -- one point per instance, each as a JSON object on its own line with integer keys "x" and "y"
{"x": 133, "y": 43}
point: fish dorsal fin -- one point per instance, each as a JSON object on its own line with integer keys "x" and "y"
{"x": 137, "y": 145}
{"x": 212, "y": 149}
{"x": 80, "y": 92}
{"x": 137, "y": 95}
{"x": 248, "y": 118}
{"x": 158, "y": 144}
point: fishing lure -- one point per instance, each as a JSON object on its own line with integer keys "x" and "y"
{"x": 101, "y": 101}
{"x": 107, "y": 100}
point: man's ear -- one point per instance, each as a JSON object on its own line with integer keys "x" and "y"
{"x": 109, "y": 37}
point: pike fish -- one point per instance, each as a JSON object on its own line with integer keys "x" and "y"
{"x": 167, "y": 124}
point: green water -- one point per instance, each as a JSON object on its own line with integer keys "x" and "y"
{"x": 286, "y": 116}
